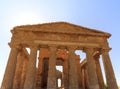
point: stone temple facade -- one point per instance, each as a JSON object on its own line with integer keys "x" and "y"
{"x": 54, "y": 44}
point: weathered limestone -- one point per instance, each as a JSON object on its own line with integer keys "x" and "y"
{"x": 110, "y": 77}
{"x": 99, "y": 72}
{"x": 42, "y": 64}
{"x": 91, "y": 68}
{"x": 86, "y": 81}
{"x": 31, "y": 71}
{"x": 52, "y": 71}
{"x": 39, "y": 74}
{"x": 57, "y": 43}
{"x": 65, "y": 72}
{"x": 18, "y": 72}
{"x": 79, "y": 72}
{"x": 10, "y": 69}
{"x": 24, "y": 70}
{"x": 73, "y": 79}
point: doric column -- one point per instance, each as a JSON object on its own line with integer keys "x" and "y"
{"x": 73, "y": 79}
{"x": 86, "y": 81}
{"x": 24, "y": 70}
{"x": 83, "y": 80}
{"x": 31, "y": 69}
{"x": 10, "y": 69}
{"x": 18, "y": 72}
{"x": 99, "y": 72}
{"x": 51, "y": 82}
{"x": 110, "y": 77}
{"x": 65, "y": 74}
{"x": 79, "y": 71}
{"x": 91, "y": 69}
{"x": 25, "y": 59}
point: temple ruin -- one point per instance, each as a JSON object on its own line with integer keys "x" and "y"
{"x": 54, "y": 44}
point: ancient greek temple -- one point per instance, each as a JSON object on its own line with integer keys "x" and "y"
{"x": 54, "y": 44}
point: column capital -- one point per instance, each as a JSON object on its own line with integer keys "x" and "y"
{"x": 86, "y": 49}
{"x": 53, "y": 48}
{"x": 34, "y": 46}
{"x": 71, "y": 48}
{"x": 18, "y": 46}
{"x": 105, "y": 50}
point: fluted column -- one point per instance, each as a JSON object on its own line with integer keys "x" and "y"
{"x": 86, "y": 78}
{"x": 110, "y": 77}
{"x": 10, "y": 69}
{"x": 65, "y": 74}
{"x": 24, "y": 70}
{"x": 18, "y": 72}
{"x": 31, "y": 69}
{"x": 79, "y": 71}
{"x": 73, "y": 79}
{"x": 99, "y": 73}
{"x": 83, "y": 79}
{"x": 91, "y": 69}
{"x": 51, "y": 82}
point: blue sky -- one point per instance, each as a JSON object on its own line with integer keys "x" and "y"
{"x": 103, "y": 15}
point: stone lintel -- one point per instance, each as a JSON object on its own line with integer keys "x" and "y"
{"x": 66, "y": 43}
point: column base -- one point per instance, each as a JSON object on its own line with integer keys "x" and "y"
{"x": 94, "y": 87}
{"x": 73, "y": 87}
{"x": 42, "y": 88}
{"x": 3, "y": 88}
{"x": 51, "y": 88}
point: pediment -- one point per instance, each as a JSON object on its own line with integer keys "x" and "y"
{"x": 62, "y": 27}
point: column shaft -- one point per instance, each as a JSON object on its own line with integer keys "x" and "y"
{"x": 18, "y": 72}
{"x": 99, "y": 73}
{"x": 31, "y": 70}
{"x": 83, "y": 79}
{"x": 24, "y": 70}
{"x": 86, "y": 79}
{"x": 51, "y": 82}
{"x": 91, "y": 69}
{"x": 73, "y": 79}
{"x": 10, "y": 70}
{"x": 79, "y": 72}
{"x": 65, "y": 74}
{"x": 110, "y": 77}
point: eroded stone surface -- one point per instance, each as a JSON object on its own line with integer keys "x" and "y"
{"x": 56, "y": 43}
